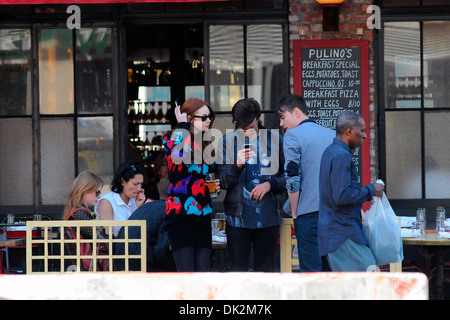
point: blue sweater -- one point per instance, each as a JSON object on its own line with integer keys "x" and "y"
{"x": 341, "y": 199}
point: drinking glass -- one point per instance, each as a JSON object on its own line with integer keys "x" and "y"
{"x": 420, "y": 220}
{"x": 213, "y": 185}
{"x": 440, "y": 218}
{"x": 215, "y": 225}
{"x": 220, "y": 216}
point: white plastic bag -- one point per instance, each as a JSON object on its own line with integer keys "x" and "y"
{"x": 383, "y": 232}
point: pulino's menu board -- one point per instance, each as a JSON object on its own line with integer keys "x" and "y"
{"x": 332, "y": 76}
{"x": 331, "y": 82}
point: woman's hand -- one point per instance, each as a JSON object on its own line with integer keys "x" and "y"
{"x": 140, "y": 198}
{"x": 181, "y": 117}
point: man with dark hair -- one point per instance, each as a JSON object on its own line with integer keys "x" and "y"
{"x": 252, "y": 220}
{"x": 304, "y": 143}
{"x": 341, "y": 237}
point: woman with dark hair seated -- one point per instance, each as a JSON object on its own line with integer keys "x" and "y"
{"x": 126, "y": 194}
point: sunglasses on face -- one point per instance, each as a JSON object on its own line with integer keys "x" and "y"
{"x": 204, "y": 118}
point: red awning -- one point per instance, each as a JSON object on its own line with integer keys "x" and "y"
{"x": 93, "y": 1}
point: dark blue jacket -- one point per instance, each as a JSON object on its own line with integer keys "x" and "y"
{"x": 341, "y": 199}
{"x": 159, "y": 255}
{"x": 230, "y": 174}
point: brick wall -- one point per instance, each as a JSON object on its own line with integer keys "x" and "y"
{"x": 307, "y": 15}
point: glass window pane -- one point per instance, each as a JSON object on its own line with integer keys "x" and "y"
{"x": 15, "y": 72}
{"x": 265, "y": 64}
{"x": 57, "y": 160}
{"x": 436, "y": 62}
{"x": 402, "y": 65}
{"x": 226, "y": 66}
{"x": 56, "y": 71}
{"x": 94, "y": 70}
{"x": 95, "y": 147}
{"x": 16, "y": 159}
{"x": 403, "y": 155}
{"x": 437, "y": 157}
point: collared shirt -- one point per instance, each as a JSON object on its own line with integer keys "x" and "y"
{"x": 122, "y": 211}
{"x": 341, "y": 199}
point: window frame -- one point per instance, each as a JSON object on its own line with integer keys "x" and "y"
{"x": 419, "y": 14}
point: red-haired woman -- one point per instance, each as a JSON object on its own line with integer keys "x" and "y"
{"x": 188, "y": 206}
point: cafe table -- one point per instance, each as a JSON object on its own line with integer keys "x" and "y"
{"x": 431, "y": 244}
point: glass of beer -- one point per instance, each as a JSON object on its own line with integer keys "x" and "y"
{"x": 220, "y": 216}
{"x": 213, "y": 185}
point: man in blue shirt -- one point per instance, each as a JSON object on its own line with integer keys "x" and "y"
{"x": 303, "y": 144}
{"x": 251, "y": 176}
{"x": 341, "y": 237}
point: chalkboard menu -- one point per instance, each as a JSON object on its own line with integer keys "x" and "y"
{"x": 332, "y": 76}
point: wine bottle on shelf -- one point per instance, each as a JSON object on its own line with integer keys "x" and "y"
{"x": 148, "y": 108}
{"x": 159, "y": 115}
{"x": 131, "y": 112}
{"x": 141, "y": 108}
{"x": 147, "y": 147}
{"x": 156, "y": 109}
{"x": 164, "y": 112}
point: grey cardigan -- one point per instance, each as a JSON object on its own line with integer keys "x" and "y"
{"x": 303, "y": 148}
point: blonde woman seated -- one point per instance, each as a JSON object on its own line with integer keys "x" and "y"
{"x": 83, "y": 196}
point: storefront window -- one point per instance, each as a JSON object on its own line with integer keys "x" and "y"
{"x": 403, "y": 155}
{"x": 16, "y": 158}
{"x": 57, "y": 160}
{"x": 402, "y": 65}
{"x": 56, "y": 71}
{"x": 417, "y": 104}
{"x": 437, "y": 157}
{"x": 95, "y": 147}
{"x": 265, "y": 64}
{"x": 94, "y": 70}
{"x": 226, "y": 65}
{"x": 436, "y": 61}
{"x": 243, "y": 65}
{"x": 15, "y": 72}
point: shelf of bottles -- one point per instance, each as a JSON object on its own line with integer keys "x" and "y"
{"x": 148, "y": 122}
{"x": 148, "y": 112}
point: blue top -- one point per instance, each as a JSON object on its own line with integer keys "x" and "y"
{"x": 341, "y": 199}
{"x": 303, "y": 147}
{"x": 241, "y": 210}
{"x": 255, "y": 214}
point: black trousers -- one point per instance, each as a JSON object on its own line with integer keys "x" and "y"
{"x": 264, "y": 242}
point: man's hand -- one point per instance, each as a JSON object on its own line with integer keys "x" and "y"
{"x": 243, "y": 155}
{"x": 379, "y": 189}
{"x": 260, "y": 191}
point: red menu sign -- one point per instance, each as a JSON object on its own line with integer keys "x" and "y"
{"x": 333, "y": 76}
